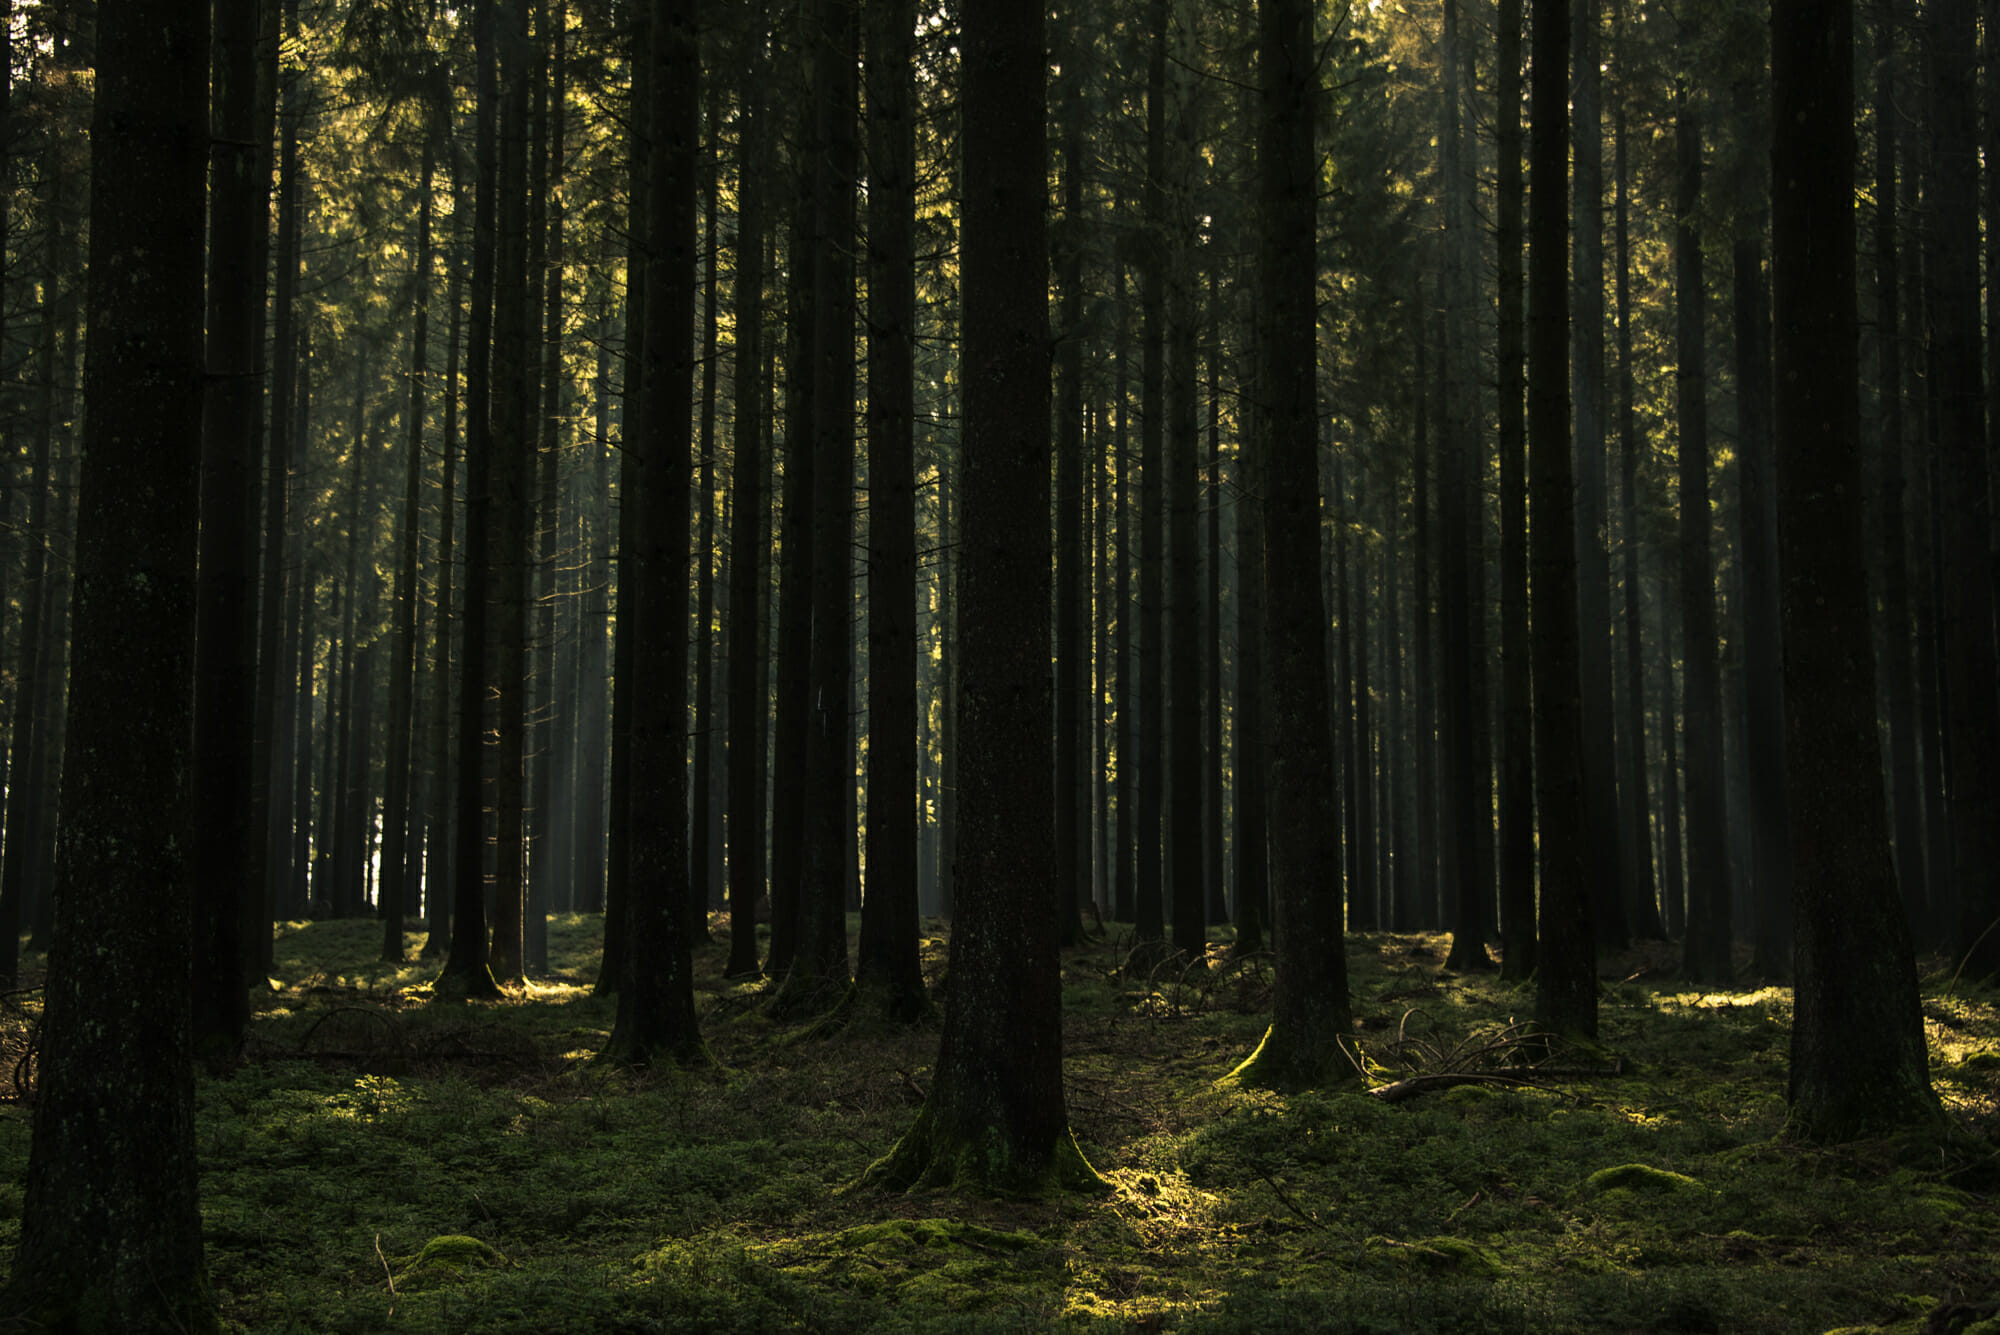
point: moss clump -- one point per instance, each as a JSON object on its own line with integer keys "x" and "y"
{"x": 1443, "y": 1253}
{"x": 449, "y": 1256}
{"x": 906, "y": 1235}
{"x": 1640, "y": 1178}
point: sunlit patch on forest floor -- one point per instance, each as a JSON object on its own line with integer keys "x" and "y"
{"x": 383, "y": 1163}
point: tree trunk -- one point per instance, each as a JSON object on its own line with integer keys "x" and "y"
{"x": 1071, "y": 665}
{"x": 655, "y": 1019}
{"x": 466, "y": 970}
{"x": 1602, "y": 866}
{"x": 1966, "y": 650}
{"x": 1707, "y": 950}
{"x": 994, "y": 1119}
{"x": 1566, "y": 964}
{"x": 1642, "y": 887}
{"x": 1517, "y": 716}
{"x": 1150, "y": 777}
{"x": 888, "y": 958}
{"x": 398, "y": 813}
{"x": 1253, "y": 887}
{"x": 702, "y": 805}
{"x": 1858, "y": 1061}
{"x": 1459, "y": 470}
{"x": 438, "y": 896}
{"x": 1894, "y": 629}
{"x": 1757, "y": 519}
{"x": 1183, "y": 484}
{"x": 818, "y": 976}
{"x": 1310, "y": 1015}
{"x": 553, "y": 728}
{"x": 749, "y": 700}
{"x": 510, "y": 559}
{"x": 110, "y": 1226}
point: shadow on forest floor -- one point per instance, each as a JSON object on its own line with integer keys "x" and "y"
{"x": 384, "y": 1164}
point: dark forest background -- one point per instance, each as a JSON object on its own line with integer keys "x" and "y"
{"x": 1232, "y": 477}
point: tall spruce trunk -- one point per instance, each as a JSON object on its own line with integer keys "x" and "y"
{"x": 1858, "y": 1060}
{"x": 1310, "y": 1010}
{"x": 1566, "y": 963}
{"x": 655, "y": 1020}
{"x": 466, "y": 970}
{"x": 888, "y": 958}
{"x": 818, "y": 975}
{"x": 1964, "y": 535}
{"x": 226, "y": 639}
{"x": 398, "y": 812}
{"x": 749, "y": 700}
{"x": 110, "y": 1232}
{"x": 1706, "y": 953}
{"x": 1602, "y": 867}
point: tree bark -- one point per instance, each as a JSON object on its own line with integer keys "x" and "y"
{"x": 655, "y": 1019}
{"x": 398, "y": 812}
{"x": 466, "y": 970}
{"x": 1310, "y": 1015}
{"x": 1517, "y": 715}
{"x": 818, "y": 977}
{"x": 888, "y": 958}
{"x": 110, "y": 1224}
{"x": 1859, "y": 1065}
{"x": 994, "y": 1119}
{"x": 1966, "y": 650}
{"x": 1566, "y": 964}
{"x": 1706, "y": 955}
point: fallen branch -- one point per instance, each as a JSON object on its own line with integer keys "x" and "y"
{"x": 387, "y": 1271}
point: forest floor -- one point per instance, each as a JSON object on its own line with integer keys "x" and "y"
{"x": 382, "y": 1163}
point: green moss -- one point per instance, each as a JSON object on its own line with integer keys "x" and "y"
{"x": 451, "y": 1256}
{"x": 985, "y": 1164}
{"x": 650, "y": 1201}
{"x": 1441, "y": 1253}
{"x": 1641, "y": 1178}
{"x": 905, "y": 1235}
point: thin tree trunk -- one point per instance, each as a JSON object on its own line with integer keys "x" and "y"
{"x": 1566, "y": 964}
{"x": 398, "y": 812}
{"x": 1516, "y": 862}
{"x": 1707, "y": 950}
{"x": 1602, "y": 866}
{"x": 888, "y": 957}
{"x": 749, "y": 701}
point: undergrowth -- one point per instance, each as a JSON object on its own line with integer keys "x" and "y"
{"x": 384, "y": 1163}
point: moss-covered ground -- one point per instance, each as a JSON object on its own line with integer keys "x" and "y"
{"x": 382, "y": 1163}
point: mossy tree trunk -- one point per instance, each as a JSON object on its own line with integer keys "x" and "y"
{"x": 1859, "y": 1064}
{"x": 110, "y": 1225}
{"x": 995, "y": 1118}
